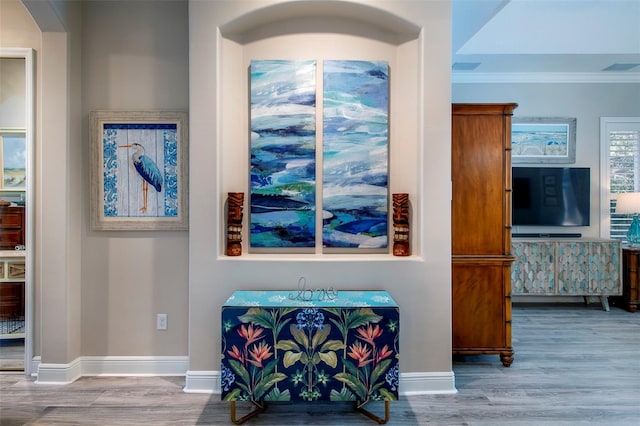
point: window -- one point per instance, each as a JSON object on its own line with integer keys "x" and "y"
{"x": 620, "y": 170}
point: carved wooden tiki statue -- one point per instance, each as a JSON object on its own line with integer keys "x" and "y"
{"x": 234, "y": 223}
{"x": 401, "y": 225}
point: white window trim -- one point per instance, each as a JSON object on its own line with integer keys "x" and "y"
{"x": 606, "y": 125}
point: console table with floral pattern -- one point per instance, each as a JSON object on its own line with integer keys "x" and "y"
{"x": 333, "y": 347}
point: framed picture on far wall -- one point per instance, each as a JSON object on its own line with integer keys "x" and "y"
{"x": 543, "y": 140}
{"x": 139, "y": 170}
{"x": 13, "y": 159}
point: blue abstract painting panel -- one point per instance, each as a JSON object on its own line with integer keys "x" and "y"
{"x": 283, "y": 166}
{"x": 140, "y": 163}
{"x": 355, "y": 154}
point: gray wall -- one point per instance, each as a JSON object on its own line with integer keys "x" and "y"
{"x": 134, "y": 57}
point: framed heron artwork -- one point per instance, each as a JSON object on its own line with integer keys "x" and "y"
{"x": 139, "y": 170}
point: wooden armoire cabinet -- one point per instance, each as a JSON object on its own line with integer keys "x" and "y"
{"x": 481, "y": 229}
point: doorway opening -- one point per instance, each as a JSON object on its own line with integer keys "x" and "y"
{"x": 16, "y": 208}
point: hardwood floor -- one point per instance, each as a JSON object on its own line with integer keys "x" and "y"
{"x": 11, "y": 355}
{"x": 574, "y": 365}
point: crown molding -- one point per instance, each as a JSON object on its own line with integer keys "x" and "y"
{"x": 544, "y": 77}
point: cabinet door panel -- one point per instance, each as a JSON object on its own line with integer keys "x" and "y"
{"x": 478, "y": 306}
{"x": 10, "y": 238}
{"x": 11, "y": 227}
{"x": 10, "y": 220}
{"x": 573, "y": 268}
{"x": 477, "y": 216}
{"x": 12, "y": 296}
{"x": 533, "y": 271}
{"x": 604, "y": 268}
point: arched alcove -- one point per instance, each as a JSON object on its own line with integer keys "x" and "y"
{"x": 315, "y": 30}
{"x": 320, "y": 17}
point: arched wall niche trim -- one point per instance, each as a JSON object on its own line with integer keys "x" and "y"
{"x": 320, "y": 17}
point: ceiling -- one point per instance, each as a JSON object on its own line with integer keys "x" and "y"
{"x": 546, "y": 40}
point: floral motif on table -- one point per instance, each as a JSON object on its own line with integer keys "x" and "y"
{"x": 310, "y": 353}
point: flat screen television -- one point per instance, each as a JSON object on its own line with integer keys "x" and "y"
{"x": 551, "y": 196}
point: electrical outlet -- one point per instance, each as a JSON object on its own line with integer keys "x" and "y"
{"x": 161, "y": 322}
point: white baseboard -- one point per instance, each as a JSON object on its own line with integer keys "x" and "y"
{"x": 35, "y": 363}
{"x": 110, "y": 366}
{"x": 202, "y": 382}
{"x": 198, "y": 381}
{"x": 427, "y": 383}
{"x": 410, "y": 383}
{"x": 59, "y": 374}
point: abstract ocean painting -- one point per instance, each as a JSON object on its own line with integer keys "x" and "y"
{"x": 540, "y": 140}
{"x": 126, "y": 192}
{"x": 355, "y": 154}
{"x": 283, "y": 151}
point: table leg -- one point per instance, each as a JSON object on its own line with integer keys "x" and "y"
{"x": 372, "y": 416}
{"x": 235, "y": 421}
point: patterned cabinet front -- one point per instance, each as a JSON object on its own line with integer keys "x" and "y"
{"x": 572, "y": 268}
{"x": 533, "y": 272}
{"x": 604, "y": 268}
{"x": 278, "y": 349}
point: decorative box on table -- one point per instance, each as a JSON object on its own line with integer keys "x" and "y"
{"x": 276, "y": 347}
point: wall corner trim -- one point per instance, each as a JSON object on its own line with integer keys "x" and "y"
{"x": 410, "y": 383}
{"x": 202, "y": 382}
{"x": 59, "y": 374}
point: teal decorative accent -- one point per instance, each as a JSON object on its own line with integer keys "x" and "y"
{"x": 633, "y": 235}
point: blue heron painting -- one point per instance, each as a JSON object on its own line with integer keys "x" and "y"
{"x": 137, "y": 156}
{"x": 148, "y": 171}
